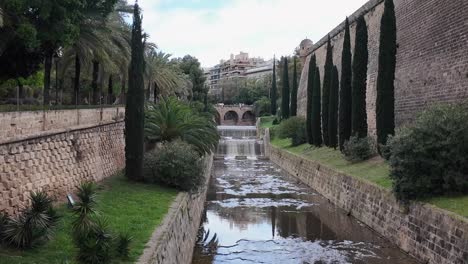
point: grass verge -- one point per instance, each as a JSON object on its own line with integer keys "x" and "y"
{"x": 266, "y": 121}
{"x": 133, "y": 208}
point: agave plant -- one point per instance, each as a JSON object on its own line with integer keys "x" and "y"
{"x": 96, "y": 246}
{"x": 173, "y": 119}
{"x": 123, "y": 245}
{"x": 84, "y": 210}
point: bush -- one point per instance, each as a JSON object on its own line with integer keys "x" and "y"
{"x": 431, "y": 157}
{"x": 262, "y": 107}
{"x": 174, "y": 164}
{"x": 289, "y": 127}
{"x": 300, "y": 136}
{"x": 275, "y": 122}
{"x": 358, "y": 149}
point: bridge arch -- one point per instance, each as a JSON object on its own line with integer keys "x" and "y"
{"x": 231, "y": 118}
{"x": 235, "y": 115}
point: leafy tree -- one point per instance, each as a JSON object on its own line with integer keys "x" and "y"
{"x": 385, "y": 105}
{"x": 316, "y": 121}
{"x": 310, "y": 103}
{"x": 359, "y": 114}
{"x": 333, "y": 109}
{"x": 327, "y": 82}
{"x": 294, "y": 91}
{"x": 191, "y": 66}
{"x": 345, "y": 91}
{"x": 134, "y": 110}
{"x": 285, "y": 91}
{"x": 274, "y": 91}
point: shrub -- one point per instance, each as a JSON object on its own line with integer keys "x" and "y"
{"x": 289, "y": 127}
{"x": 95, "y": 246}
{"x": 175, "y": 164}
{"x": 358, "y": 149}
{"x": 275, "y": 122}
{"x": 431, "y": 157}
{"x": 123, "y": 245}
{"x": 262, "y": 107}
{"x": 300, "y": 136}
{"x": 33, "y": 226}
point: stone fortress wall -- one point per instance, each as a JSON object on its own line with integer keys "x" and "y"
{"x": 432, "y": 57}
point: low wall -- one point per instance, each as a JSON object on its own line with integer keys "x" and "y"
{"x": 174, "y": 240}
{"x": 430, "y": 234}
{"x": 22, "y": 125}
{"x": 58, "y": 162}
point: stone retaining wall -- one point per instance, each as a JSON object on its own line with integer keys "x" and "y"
{"x": 174, "y": 240}
{"x": 430, "y": 234}
{"x": 58, "y": 162}
{"x": 22, "y": 125}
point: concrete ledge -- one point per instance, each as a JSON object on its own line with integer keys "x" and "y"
{"x": 173, "y": 241}
{"x": 430, "y": 234}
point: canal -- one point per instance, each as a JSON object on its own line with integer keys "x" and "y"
{"x": 255, "y": 213}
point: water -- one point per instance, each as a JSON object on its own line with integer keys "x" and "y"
{"x": 257, "y": 214}
{"x": 237, "y": 141}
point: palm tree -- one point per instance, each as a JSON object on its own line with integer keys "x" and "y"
{"x": 173, "y": 119}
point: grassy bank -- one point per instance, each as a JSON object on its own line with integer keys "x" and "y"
{"x": 267, "y": 121}
{"x": 132, "y": 208}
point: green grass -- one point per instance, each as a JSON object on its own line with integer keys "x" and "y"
{"x": 266, "y": 121}
{"x": 134, "y": 208}
{"x": 374, "y": 170}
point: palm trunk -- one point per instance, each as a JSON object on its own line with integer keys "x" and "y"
{"x": 76, "y": 88}
{"x": 148, "y": 92}
{"x": 110, "y": 91}
{"x": 47, "y": 72}
{"x": 156, "y": 92}
{"x": 94, "y": 83}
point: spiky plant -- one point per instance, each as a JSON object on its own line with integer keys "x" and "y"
{"x": 84, "y": 210}
{"x": 96, "y": 246}
{"x": 123, "y": 245}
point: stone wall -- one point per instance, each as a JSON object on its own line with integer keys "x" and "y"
{"x": 430, "y": 234}
{"x": 58, "y": 162}
{"x": 432, "y": 57}
{"x": 22, "y": 125}
{"x": 174, "y": 240}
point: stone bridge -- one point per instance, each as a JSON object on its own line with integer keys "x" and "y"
{"x": 242, "y": 115}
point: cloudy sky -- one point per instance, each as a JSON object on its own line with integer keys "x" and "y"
{"x": 213, "y": 29}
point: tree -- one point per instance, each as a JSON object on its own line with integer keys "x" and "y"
{"x": 385, "y": 104}
{"x": 359, "y": 114}
{"x": 345, "y": 91}
{"x": 285, "y": 91}
{"x": 316, "y": 121}
{"x": 333, "y": 109}
{"x": 191, "y": 66}
{"x": 310, "y": 103}
{"x": 273, "y": 92}
{"x": 327, "y": 82}
{"x": 294, "y": 90}
{"x": 134, "y": 110}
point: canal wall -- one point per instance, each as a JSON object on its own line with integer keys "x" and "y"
{"x": 430, "y": 234}
{"x": 174, "y": 240}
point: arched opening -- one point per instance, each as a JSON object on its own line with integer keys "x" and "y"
{"x": 248, "y": 117}
{"x": 231, "y": 118}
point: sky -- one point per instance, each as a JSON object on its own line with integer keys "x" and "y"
{"x": 213, "y": 29}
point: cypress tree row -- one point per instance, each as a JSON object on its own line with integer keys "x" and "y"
{"x": 285, "y": 91}
{"x": 134, "y": 108}
{"x": 294, "y": 90}
{"x": 310, "y": 90}
{"x": 333, "y": 110}
{"x": 328, "y": 71}
{"x": 273, "y": 92}
{"x": 345, "y": 91}
{"x": 316, "y": 122}
{"x": 385, "y": 104}
{"x": 359, "y": 114}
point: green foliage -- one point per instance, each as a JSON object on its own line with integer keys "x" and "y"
{"x": 173, "y": 119}
{"x": 289, "y": 127}
{"x": 430, "y": 157}
{"x": 275, "y": 122}
{"x": 385, "y": 104}
{"x": 273, "y": 91}
{"x": 294, "y": 91}
{"x": 123, "y": 245}
{"x": 359, "y": 83}
{"x": 316, "y": 121}
{"x": 333, "y": 110}
{"x": 33, "y": 226}
{"x": 134, "y": 110}
{"x": 84, "y": 210}
{"x": 345, "y": 103}
{"x": 310, "y": 105}
{"x": 191, "y": 66}
{"x": 285, "y": 91}
{"x": 175, "y": 164}
{"x": 95, "y": 246}
{"x": 262, "y": 107}
{"x": 358, "y": 149}
{"x": 327, "y": 83}
{"x": 251, "y": 91}
{"x": 300, "y": 136}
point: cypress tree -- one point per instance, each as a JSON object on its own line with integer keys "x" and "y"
{"x": 359, "y": 114}
{"x": 285, "y": 91}
{"x": 333, "y": 110}
{"x": 385, "y": 104}
{"x": 134, "y": 108}
{"x": 294, "y": 90}
{"x": 310, "y": 90}
{"x": 327, "y": 77}
{"x": 345, "y": 91}
{"x": 274, "y": 91}
{"x": 316, "y": 121}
